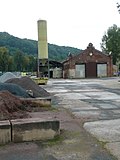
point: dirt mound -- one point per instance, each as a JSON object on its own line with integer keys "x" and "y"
{"x": 11, "y": 107}
{"x": 14, "y": 89}
{"x": 28, "y": 84}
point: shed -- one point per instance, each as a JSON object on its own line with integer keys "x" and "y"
{"x": 90, "y": 63}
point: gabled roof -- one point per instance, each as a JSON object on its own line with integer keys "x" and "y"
{"x": 90, "y": 49}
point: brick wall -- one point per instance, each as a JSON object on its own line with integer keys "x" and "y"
{"x": 88, "y": 55}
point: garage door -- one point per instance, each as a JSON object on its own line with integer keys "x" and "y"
{"x": 80, "y": 71}
{"x": 101, "y": 70}
{"x": 91, "y": 70}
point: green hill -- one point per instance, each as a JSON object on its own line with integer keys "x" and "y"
{"x": 29, "y": 47}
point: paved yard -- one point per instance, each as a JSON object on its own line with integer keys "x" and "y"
{"x": 86, "y": 108}
{"x": 97, "y": 103}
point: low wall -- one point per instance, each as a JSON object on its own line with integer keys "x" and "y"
{"x": 32, "y": 129}
{"x": 5, "y": 132}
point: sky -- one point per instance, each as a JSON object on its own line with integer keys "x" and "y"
{"x": 74, "y": 23}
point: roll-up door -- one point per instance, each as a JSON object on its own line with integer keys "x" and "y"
{"x": 101, "y": 70}
{"x": 80, "y": 71}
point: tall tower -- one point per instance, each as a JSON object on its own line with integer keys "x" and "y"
{"x": 43, "y": 63}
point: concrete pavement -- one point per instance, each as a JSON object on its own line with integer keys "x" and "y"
{"x": 94, "y": 104}
{"x": 97, "y": 101}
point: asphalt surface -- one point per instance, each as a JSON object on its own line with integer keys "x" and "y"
{"x": 95, "y": 103}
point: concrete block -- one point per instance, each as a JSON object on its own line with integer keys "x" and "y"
{"x": 39, "y": 102}
{"x": 5, "y": 132}
{"x": 44, "y": 102}
{"x": 34, "y": 129}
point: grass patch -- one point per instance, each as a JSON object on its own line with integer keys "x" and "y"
{"x": 58, "y": 139}
{"x": 102, "y": 143}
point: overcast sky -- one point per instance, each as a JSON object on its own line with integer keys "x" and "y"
{"x": 72, "y": 23}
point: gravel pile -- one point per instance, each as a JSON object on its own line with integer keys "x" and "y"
{"x": 14, "y": 89}
{"x": 6, "y": 76}
{"x": 11, "y": 91}
{"x": 28, "y": 84}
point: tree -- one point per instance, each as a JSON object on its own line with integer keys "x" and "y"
{"x": 4, "y": 59}
{"x": 25, "y": 63}
{"x": 18, "y": 61}
{"x": 118, "y": 6}
{"x": 11, "y": 64}
{"x": 32, "y": 63}
{"x": 111, "y": 43}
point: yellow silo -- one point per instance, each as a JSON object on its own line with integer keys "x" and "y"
{"x": 43, "y": 62}
{"x": 42, "y": 40}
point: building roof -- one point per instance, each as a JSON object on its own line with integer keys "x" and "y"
{"x": 89, "y": 50}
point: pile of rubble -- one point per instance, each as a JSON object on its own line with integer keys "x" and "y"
{"x": 6, "y": 76}
{"x": 29, "y": 85}
{"x": 12, "y": 89}
{"x": 11, "y": 107}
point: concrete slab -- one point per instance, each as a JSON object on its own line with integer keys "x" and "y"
{"x": 107, "y": 106}
{"x": 34, "y": 129}
{"x": 84, "y": 108}
{"x": 87, "y": 90}
{"x": 87, "y": 114}
{"x": 114, "y": 149}
{"x": 105, "y": 130}
{"x": 5, "y": 132}
{"x": 103, "y": 95}
{"x": 57, "y": 90}
{"x": 116, "y": 111}
{"x": 73, "y": 96}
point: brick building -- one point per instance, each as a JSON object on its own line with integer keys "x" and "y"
{"x": 90, "y": 63}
